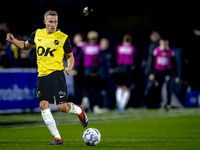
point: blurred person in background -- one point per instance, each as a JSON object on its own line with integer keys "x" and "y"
{"x": 10, "y": 56}
{"x": 91, "y": 63}
{"x": 163, "y": 68}
{"x": 5, "y": 61}
{"x": 147, "y": 57}
{"x": 105, "y": 65}
{"x": 24, "y": 60}
{"x": 4, "y": 29}
{"x": 122, "y": 74}
{"x": 33, "y": 57}
{"x": 78, "y": 40}
{"x": 147, "y": 53}
{"x": 78, "y": 67}
{"x": 15, "y": 57}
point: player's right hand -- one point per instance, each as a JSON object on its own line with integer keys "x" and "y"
{"x": 68, "y": 70}
{"x": 9, "y": 37}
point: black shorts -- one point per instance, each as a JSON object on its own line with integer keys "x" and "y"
{"x": 50, "y": 86}
{"x": 123, "y": 75}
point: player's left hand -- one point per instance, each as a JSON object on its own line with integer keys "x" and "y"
{"x": 68, "y": 70}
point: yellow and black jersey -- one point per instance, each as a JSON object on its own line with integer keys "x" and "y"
{"x": 50, "y": 50}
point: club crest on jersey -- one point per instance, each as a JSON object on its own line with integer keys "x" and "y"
{"x": 56, "y": 42}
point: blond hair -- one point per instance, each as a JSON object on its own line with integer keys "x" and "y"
{"x": 51, "y": 13}
{"x": 92, "y": 35}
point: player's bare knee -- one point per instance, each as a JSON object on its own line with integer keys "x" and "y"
{"x": 125, "y": 88}
{"x": 44, "y": 105}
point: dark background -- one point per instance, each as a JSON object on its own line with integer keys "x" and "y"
{"x": 174, "y": 21}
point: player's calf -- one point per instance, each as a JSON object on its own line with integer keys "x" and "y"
{"x": 65, "y": 107}
{"x": 80, "y": 112}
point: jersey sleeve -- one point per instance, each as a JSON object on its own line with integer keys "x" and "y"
{"x": 31, "y": 38}
{"x": 67, "y": 46}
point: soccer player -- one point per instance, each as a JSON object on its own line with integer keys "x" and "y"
{"x": 51, "y": 45}
{"x": 91, "y": 62}
{"x": 125, "y": 58}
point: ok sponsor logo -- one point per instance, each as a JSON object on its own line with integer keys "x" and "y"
{"x": 45, "y": 52}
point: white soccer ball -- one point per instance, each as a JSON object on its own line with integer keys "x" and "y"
{"x": 91, "y": 136}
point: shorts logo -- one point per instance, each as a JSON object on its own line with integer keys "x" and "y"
{"x": 62, "y": 94}
{"x": 38, "y": 94}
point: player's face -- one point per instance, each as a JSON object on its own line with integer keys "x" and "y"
{"x": 104, "y": 44}
{"x": 93, "y": 40}
{"x": 162, "y": 43}
{"x": 51, "y": 23}
{"x": 77, "y": 39}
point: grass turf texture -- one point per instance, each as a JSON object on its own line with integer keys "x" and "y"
{"x": 136, "y": 129}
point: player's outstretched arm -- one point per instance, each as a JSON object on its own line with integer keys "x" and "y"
{"x": 25, "y": 45}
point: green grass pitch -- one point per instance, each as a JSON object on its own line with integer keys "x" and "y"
{"x": 135, "y": 129}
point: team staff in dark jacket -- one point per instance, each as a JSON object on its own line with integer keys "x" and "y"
{"x": 163, "y": 67}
